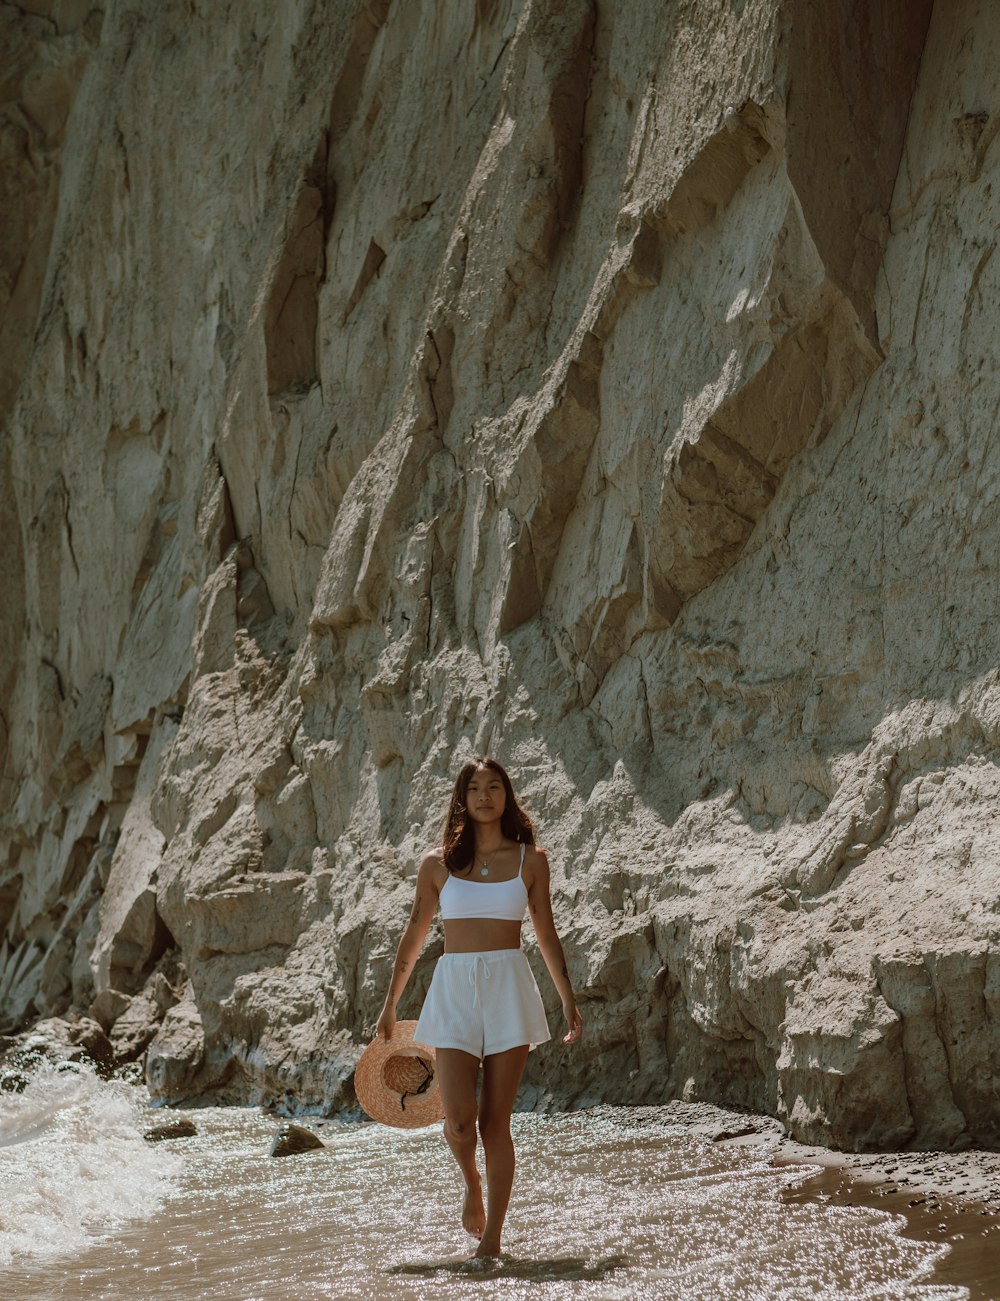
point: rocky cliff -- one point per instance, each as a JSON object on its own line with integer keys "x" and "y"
{"x": 608, "y": 387}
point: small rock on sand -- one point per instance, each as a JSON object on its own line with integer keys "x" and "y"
{"x": 292, "y": 1139}
{"x": 171, "y": 1129}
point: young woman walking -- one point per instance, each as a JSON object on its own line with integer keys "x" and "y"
{"x": 483, "y": 1004}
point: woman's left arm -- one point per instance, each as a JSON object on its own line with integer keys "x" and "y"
{"x": 540, "y": 906}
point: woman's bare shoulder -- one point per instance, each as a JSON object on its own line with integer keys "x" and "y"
{"x": 432, "y": 865}
{"x": 536, "y": 860}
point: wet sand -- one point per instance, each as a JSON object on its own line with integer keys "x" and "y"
{"x": 969, "y": 1230}
{"x": 949, "y": 1199}
{"x": 667, "y": 1202}
{"x": 682, "y": 1200}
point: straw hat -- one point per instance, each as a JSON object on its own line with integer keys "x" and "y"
{"x": 396, "y": 1082}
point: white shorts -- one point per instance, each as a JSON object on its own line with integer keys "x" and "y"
{"x": 482, "y": 1003}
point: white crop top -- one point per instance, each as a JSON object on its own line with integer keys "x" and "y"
{"x": 504, "y": 900}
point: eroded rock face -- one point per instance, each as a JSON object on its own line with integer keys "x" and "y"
{"x": 613, "y": 392}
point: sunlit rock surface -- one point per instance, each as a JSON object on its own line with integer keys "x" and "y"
{"x": 611, "y": 388}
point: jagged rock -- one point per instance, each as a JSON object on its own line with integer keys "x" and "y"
{"x": 88, "y": 1036}
{"x": 138, "y": 1023}
{"x": 636, "y": 423}
{"x": 290, "y": 1139}
{"x": 134, "y": 1030}
{"x": 64, "y": 1041}
{"x": 108, "y": 1006}
{"x": 171, "y": 1129}
{"x": 176, "y": 1053}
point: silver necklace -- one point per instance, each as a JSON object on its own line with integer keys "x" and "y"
{"x": 485, "y": 869}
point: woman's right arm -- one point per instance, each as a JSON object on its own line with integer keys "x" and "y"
{"x": 411, "y": 941}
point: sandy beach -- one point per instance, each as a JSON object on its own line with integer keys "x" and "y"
{"x": 682, "y": 1201}
{"x": 949, "y": 1198}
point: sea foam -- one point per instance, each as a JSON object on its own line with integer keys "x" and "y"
{"x": 74, "y": 1164}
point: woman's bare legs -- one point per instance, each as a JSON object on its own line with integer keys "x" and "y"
{"x": 457, "y": 1072}
{"x": 501, "y": 1079}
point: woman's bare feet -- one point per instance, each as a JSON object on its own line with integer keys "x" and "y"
{"x": 487, "y": 1250}
{"x": 473, "y": 1211}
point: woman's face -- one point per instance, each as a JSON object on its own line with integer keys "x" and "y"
{"x": 485, "y": 797}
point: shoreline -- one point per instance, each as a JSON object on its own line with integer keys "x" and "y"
{"x": 948, "y": 1202}
{"x": 970, "y": 1178}
{"x": 948, "y": 1199}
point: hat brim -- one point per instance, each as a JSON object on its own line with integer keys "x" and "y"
{"x": 410, "y": 1110}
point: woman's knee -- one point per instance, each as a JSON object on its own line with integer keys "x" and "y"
{"x": 494, "y": 1129}
{"x": 460, "y": 1125}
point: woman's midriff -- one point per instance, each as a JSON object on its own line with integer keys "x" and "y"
{"x": 480, "y": 934}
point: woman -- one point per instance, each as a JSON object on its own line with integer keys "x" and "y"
{"x": 483, "y": 1003}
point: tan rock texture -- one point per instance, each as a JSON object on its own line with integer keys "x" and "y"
{"x": 612, "y": 388}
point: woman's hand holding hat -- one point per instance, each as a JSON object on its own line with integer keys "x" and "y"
{"x": 386, "y": 1022}
{"x": 396, "y": 1082}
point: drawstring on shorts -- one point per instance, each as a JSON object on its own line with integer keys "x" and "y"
{"x": 480, "y": 964}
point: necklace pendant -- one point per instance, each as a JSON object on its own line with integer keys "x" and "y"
{"x": 484, "y": 871}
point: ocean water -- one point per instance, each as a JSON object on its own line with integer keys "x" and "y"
{"x": 606, "y": 1204}
{"x": 73, "y": 1164}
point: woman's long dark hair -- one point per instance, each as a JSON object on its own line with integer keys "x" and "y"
{"x": 459, "y": 832}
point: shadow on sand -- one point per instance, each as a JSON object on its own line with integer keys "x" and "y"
{"x": 556, "y": 1269}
